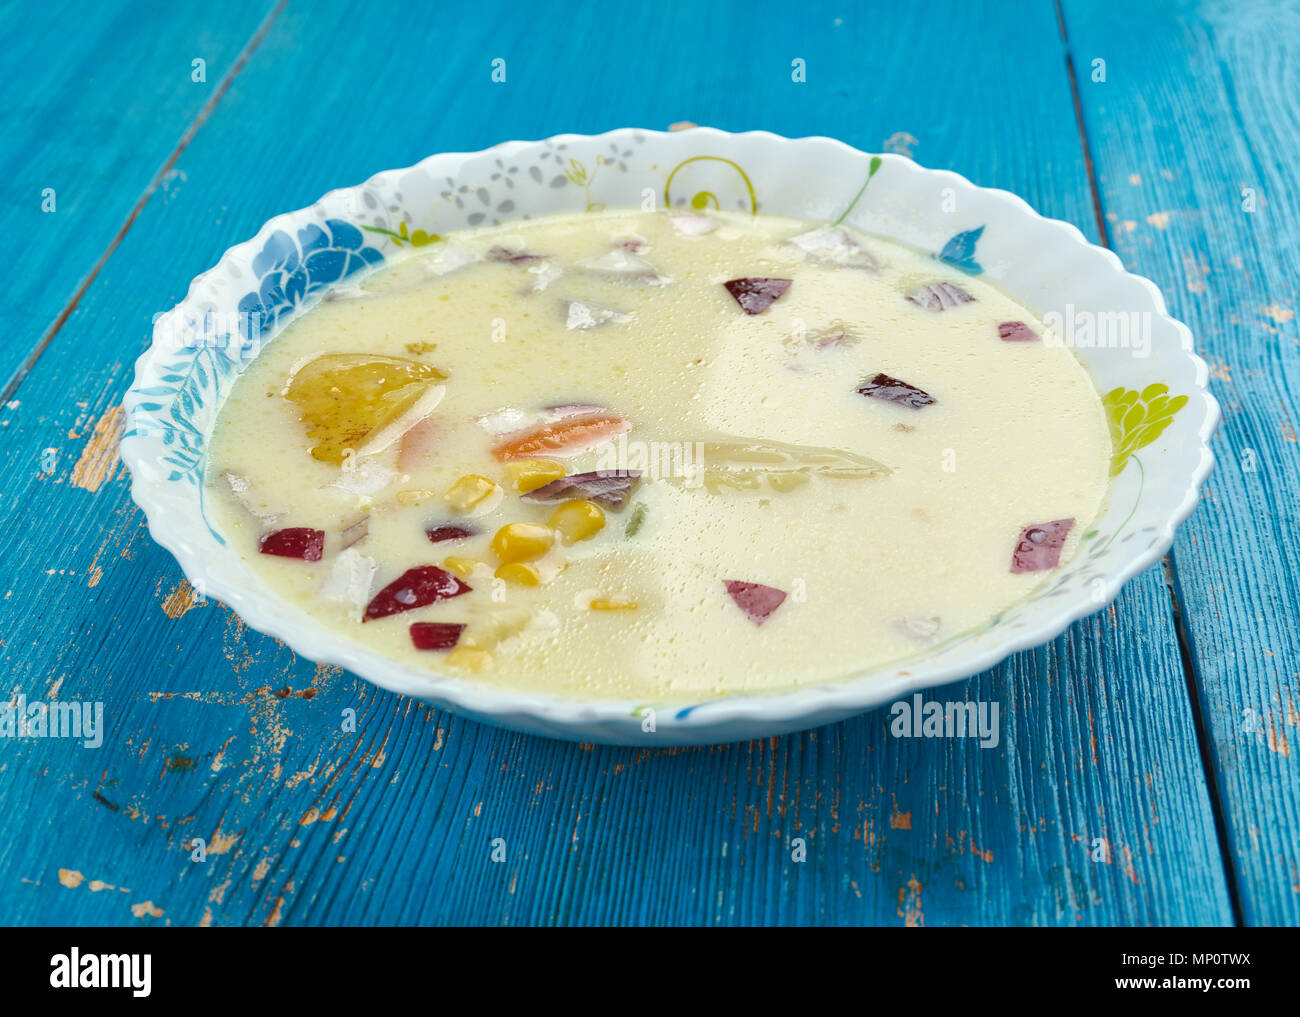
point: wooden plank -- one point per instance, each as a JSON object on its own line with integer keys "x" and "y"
{"x": 1198, "y": 114}
{"x": 220, "y": 733}
{"x": 90, "y": 111}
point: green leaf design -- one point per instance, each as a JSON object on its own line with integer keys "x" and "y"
{"x": 1137, "y": 419}
{"x": 871, "y": 172}
{"x": 419, "y": 238}
{"x": 576, "y": 172}
{"x": 701, "y": 199}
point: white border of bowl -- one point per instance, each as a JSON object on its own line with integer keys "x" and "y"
{"x": 1039, "y": 261}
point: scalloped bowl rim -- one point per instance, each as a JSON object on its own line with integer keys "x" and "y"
{"x": 618, "y": 721}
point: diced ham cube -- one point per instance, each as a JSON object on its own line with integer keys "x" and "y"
{"x": 1039, "y": 546}
{"x": 756, "y": 600}
{"x": 435, "y": 635}
{"x": 1016, "y": 332}
{"x": 417, "y": 587}
{"x": 294, "y": 542}
{"x": 756, "y": 295}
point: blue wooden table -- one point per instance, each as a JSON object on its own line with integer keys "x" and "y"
{"x": 1149, "y": 769}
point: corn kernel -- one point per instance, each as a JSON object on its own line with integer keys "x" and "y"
{"x": 577, "y": 520}
{"x": 414, "y": 497}
{"x": 618, "y": 602}
{"x": 530, "y": 474}
{"x": 522, "y": 541}
{"x": 469, "y": 492}
{"x": 520, "y": 573}
{"x": 463, "y": 567}
{"x": 469, "y": 658}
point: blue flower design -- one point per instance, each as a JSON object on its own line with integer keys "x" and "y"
{"x": 960, "y": 251}
{"x": 292, "y": 272}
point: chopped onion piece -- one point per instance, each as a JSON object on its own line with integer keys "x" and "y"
{"x": 346, "y": 291}
{"x": 621, "y": 263}
{"x": 508, "y": 419}
{"x": 582, "y": 314}
{"x": 503, "y": 421}
{"x": 923, "y": 630}
{"x": 389, "y": 433}
{"x": 355, "y": 532}
{"x": 350, "y": 577}
{"x": 446, "y": 258}
{"x": 836, "y": 246}
{"x": 241, "y": 491}
{"x": 608, "y": 487}
{"x": 691, "y": 224}
{"x": 891, "y": 390}
{"x": 939, "y": 296}
{"x": 544, "y": 273}
{"x": 562, "y": 410}
{"x": 363, "y": 475}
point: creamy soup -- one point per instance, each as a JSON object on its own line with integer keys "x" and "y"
{"x": 659, "y": 456}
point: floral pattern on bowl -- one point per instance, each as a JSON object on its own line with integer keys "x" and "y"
{"x": 1156, "y": 397}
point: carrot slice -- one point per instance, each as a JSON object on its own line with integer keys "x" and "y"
{"x": 566, "y": 437}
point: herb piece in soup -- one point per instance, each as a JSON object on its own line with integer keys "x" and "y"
{"x": 636, "y": 519}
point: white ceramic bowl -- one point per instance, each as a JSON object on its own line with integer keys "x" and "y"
{"x": 1155, "y": 384}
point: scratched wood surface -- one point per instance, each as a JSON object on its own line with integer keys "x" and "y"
{"x": 216, "y": 732}
{"x": 1195, "y": 133}
{"x": 94, "y": 107}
